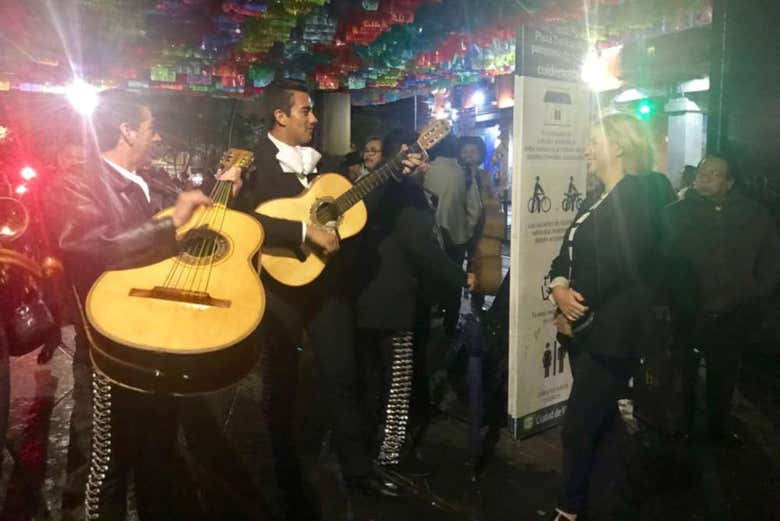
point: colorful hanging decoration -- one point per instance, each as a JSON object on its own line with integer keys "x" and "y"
{"x": 381, "y": 50}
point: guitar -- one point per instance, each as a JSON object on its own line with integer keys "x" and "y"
{"x": 486, "y": 257}
{"x": 177, "y": 326}
{"x": 332, "y": 201}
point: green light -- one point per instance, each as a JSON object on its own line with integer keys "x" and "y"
{"x": 645, "y": 109}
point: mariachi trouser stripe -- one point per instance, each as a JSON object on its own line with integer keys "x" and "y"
{"x": 100, "y": 454}
{"x": 397, "y": 409}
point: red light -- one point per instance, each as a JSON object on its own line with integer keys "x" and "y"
{"x": 28, "y": 173}
{"x": 21, "y": 189}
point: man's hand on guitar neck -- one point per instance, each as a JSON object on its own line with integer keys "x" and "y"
{"x": 413, "y": 162}
{"x": 232, "y": 174}
{"x": 324, "y": 239}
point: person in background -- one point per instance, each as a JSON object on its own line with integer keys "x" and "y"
{"x": 599, "y": 283}
{"x": 352, "y": 166}
{"x": 71, "y": 155}
{"x": 398, "y": 249}
{"x": 471, "y": 156}
{"x": 721, "y": 278}
{"x": 458, "y": 213}
{"x": 372, "y": 156}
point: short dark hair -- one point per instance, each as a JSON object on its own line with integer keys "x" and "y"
{"x": 373, "y": 138}
{"x": 114, "y": 108}
{"x": 477, "y": 142}
{"x": 279, "y": 96}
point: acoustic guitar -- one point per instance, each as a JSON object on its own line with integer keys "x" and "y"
{"x": 486, "y": 257}
{"x": 332, "y": 201}
{"x": 177, "y": 326}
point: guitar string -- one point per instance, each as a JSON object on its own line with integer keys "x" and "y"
{"x": 212, "y": 242}
{"x": 180, "y": 264}
{"x": 197, "y": 266}
{"x": 187, "y": 268}
{"x": 225, "y": 199}
{"x": 348, "y": 199}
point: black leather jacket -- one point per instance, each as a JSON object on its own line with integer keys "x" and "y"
{"x": 100, "y": 220}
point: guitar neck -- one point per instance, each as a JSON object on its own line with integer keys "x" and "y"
{"x": 374, "y": 180}
{"x": 222, "y": 193}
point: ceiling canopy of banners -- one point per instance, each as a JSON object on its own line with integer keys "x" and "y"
{"x": 381, "y": 50}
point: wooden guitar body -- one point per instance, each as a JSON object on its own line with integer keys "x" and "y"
{"x": 332, "y": 201}
{"x": 180, "y": 326}
{"x": 297, "y": 268}
{"x": 486, "y": 259}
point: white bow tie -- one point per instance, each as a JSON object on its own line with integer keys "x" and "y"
{"x": 298, "y": 160}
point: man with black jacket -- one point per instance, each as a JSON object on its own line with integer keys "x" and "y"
{"x": 285, "y": 167}
{"x": 101, "y": 219}
{"x": 725, "y": 259}
{"x": 398, "y": 251}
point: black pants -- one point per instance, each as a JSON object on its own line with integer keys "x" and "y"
{"x": 452, "y": 299}
{"x": 719, "y": 339}
{"x": 229, "y": 450}
{"x": 599, "y": 382}
{"x": 329, "y": 323}
{"x": 378, "y": 354}
{"x": 142, "y": 444}
{"x": 77, "y": 468}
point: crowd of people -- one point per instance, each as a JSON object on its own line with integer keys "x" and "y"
{"x": 366, "y": 319}
{"x": 363, "y": 318}
{"x": 633, "y": 246}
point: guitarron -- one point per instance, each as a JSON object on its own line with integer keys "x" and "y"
{"x": 179, "y": 326}
{"x": 332, "y": 201}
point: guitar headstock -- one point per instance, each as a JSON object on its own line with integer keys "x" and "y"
{"x": 236, "y": 157}
{"x": 433, "y": 133}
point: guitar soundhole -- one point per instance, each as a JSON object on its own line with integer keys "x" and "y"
{"x": 203, "y": 246}
{"x": 326, "y": 212}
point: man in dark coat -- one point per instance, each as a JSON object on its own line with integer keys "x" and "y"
{"x": 397, "y": 252}
{"x": 100, "y": 218}
{"x": 725, "y": 259}
{"x": 285, "y": 167}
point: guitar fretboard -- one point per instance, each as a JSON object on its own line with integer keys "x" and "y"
{"x": 374, "y": 180}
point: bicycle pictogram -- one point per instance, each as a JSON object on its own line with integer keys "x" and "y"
{"x": 539, "y": 202}
{"x": 572, "y": 199}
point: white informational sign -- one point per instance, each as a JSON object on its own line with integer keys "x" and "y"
{"x": 551, "y": 125}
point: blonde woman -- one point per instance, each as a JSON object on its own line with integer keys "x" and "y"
{"x": 600, "y": 284}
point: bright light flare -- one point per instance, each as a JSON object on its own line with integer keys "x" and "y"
{"x": 28, "y": 173}
{"x": 21, "y": 189}
{"x": 82, "y": 96}
{"x": 478, "y": 98}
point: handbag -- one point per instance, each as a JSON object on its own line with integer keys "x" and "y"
{"x": 29, "y": 326}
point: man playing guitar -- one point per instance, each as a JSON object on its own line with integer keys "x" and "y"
{"x": 323, "y": 308}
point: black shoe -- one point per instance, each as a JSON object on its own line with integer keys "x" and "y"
{"x": 374, "y": 484}
{"x": 412, "y": 466}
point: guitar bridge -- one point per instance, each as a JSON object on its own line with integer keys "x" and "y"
{"x": 200, "y": 298}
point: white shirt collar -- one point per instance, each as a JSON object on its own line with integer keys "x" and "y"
{"x": 132, "y": 176}
{"x": 298, "y": 160}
